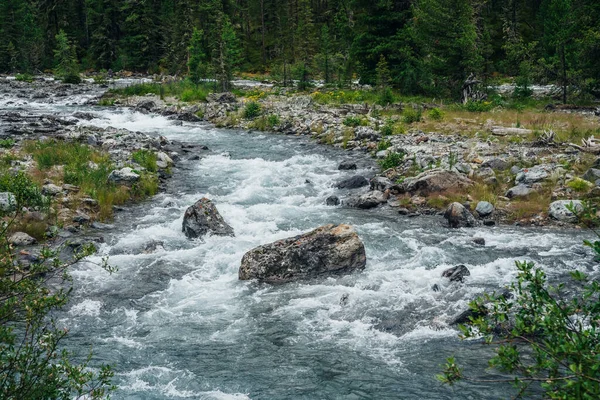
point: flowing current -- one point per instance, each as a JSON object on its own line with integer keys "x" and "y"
{"x": 178, "y": 324}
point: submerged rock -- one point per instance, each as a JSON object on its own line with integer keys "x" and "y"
{"x": 354, "y": 182}
{"x": 347, "y": 165}
{"x": 458, "y": 216}
{"x": 558, "y": 210}
{"x": 332, "y": 201}
{"x": 327, "y": 250}
{"x": 456, "y": 274}
{"x": 202, "y": 218}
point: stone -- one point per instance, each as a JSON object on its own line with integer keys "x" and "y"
{"x": 519, "y": 191}
{"x": 458, "y": 216}
{"x": 534, "y": 174}
{"x": 8, "y": 202}
{"x": 51, "y": 189}
{"x": 332, "y": 201}
{"x": 381, "y": 183}
{"x": 347, "y": 165}
{"x": 163, "y": 160}
{"x": 403, "y": 211}
{"x": 101, "y": 226}
{"x": 81, "y": 218}
{"x": 592, "y": 175}
{"x": 354, "y": 182}
{"x": 484, "y": 208}
{"x": 366, "y": 133}
{"x": 369, "y": 200}
{"x": 485, "y": 173}
{"x": 327, "y": 250}
{"x": 21, "y": 239}
{"x": 153, "y": 246}
{"x": 435, "y": 181}
{"x": 496, "y": 164}
{"x": 203, "y": 218}
{"x": 558, "y": 210}
{"x": 123, "y": 176}
{"x": 489, "y": 222}
{"x": 479, "y": 240}
{"x": 456, "y": 274}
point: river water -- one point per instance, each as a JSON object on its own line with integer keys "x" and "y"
{"x": 177, "y": 323}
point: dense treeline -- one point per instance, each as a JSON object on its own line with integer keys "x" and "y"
{"x": 429, "y": 46}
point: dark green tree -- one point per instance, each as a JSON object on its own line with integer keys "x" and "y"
{"x": 66, "y": 66}
{"x": 226, "y": 57}
{"x": 197, "y": 59}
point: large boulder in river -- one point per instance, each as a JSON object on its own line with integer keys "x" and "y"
{"x": 435, "y": 181}
{"x": 354, "y": 182}
{"x": 203, "y": 218}
{"x": 330, "y": 249}
{"x": 458, "y": 216}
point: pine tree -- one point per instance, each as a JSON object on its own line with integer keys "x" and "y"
{"x": 66, "y": 66}
{"x": 227, "y": 54}
{"x": 197, "y": 58}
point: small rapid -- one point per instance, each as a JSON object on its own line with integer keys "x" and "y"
{"x": 176, "y": 323}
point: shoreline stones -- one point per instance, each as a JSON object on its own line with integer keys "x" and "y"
{"x": 558, "y": 210}
{"x": 458, "y": 216}
{"x": 203, "y": 218}
{"x": 327, "y": 250}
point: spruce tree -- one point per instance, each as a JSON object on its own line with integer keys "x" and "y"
{"x": 197, "y": 58}
{"x": 227, "y": 54}
{"x": 66, "y": 66}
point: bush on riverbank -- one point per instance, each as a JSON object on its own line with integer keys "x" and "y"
{"x": 183, "y": 90}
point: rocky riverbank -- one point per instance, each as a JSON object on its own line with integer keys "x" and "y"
{"x": 431, "y": 156}
{"x": 66, "y": 178}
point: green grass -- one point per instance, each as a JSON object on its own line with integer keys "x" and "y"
{"x": 146, "y": 159}
{"x": 24, "y": 78}
{"x": 7, "y": 143}
{"x": 392, "y": 160}
{"x": 411, "y": 115}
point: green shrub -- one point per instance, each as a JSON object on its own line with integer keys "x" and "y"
{"x": 252, "y": 110}
{"x": 387, "y": 129}
{"x": 392, "y": 160}
{"x": 273, "y": 120}
{"x": 26, "y": 192}
{"x": 435, "y": 114}
{"x": 580, "y": 185}
{"x": 478, "y": 106}
{"x": 146, "y": 159}
{"x": 385, "y": 97}
{"x": 24, "y": 77}
{"x": 352, "y": 121}
{"x": 384, "y": 145}
{"x": 72, "y": 78}
{"x": 7, "y": 143}
{"x": 411, "y": 115}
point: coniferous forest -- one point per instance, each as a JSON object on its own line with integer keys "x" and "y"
{"x": 430, "y": 46}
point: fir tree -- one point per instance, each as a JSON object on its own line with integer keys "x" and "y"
{"x": 197, "y": 58}
{"x": 66, "y": 65}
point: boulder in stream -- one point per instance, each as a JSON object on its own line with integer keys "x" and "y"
{"x": 458, "y": 216}
{"x": 327, "y": 250}
{"x": 202, "y": 218}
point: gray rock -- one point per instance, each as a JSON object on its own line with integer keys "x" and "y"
{"x": 21, "y": 239}
{"x": 332, "y": 201}
{"x": 534, "y": 174}
{"x": 82, "y": 218}
{"x": 485, "y": 173}
{"x": 381, "y": 183}
{"x": 592, "y": 175}
{"x": 496, "y": 164}
{"x": 479, "y": 240}
{"x": 366, "y": 133}
{"x": 123, "y": 176}
{"x": 354, "y": 182}
{"x": 8, "y": 202}
{"x": 435, "y": 181}
{"x": 369, "y": 200}
{"x": 463, "y": 168}
{"x": 328, "y": 250}
{"x": 458, "y": 216}
{"x": 203, "y": 218}
{"x": 515, "y": 169}
{"x": 484, "y": 208}
{"x": 51, "y": 189}
{"x": 519, "y": 191}
{"x": 456, "y": 274}
{"x": 101, "y": 226}
{"x": 347, "y": 165}
{"x": 558, "y": 210}
{"x": 154, "y": 245}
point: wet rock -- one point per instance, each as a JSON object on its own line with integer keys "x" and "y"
{"x": 21, "y": 239}
{"x": 382, "y": 183}
{"x": 558, "y": 210}
{"x": 489, "y": 222}
{"x": 519, "y": 191}
{"x": 484, "y": 208}
{"x": 8, "y": 202}
{"x": 51, "y": 189}
{"x": 101, "y": 226}
{"x": 332, "y": 201}
{"x": 479, "y": 240}
{"x": 369, "y": 200}
{"x": 84, "y": 115}
{"x": 146, "y": 105}
{"x": 81, "y": 218}
{"x": 153, "y": 246}
{"x": 456, "y": 274}
{"x": 592, "y": 175}
{"x": 347, "y": 165}
{"x": 327, "y": 250}
{"x": 344, "y": 299}
{"x": 354, "y": 182}
{"x": 458, "y": 216}
{"x": 123, "y": 176}
{"x": 203, "y": 218}
{"x": 163, "y": 160}
{"x": 435, "y": 181}
{"x": 403, "y": 211}
{"x": 534, "y": 174}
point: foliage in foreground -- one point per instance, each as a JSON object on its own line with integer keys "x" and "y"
{"x": 547, "y": 337}
{"x": 32, "y": 363}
